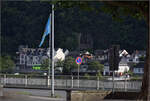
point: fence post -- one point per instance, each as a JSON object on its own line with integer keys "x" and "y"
{"x": 125, "y": 89}
{"x": 26, "y": 80}
{"x": 103, "y": 84}
{"x": 48, "y": 81}
{"x": 66, "y": 81}
{"x": 97, "y": 83}
{"x": 4, "y": 79}
{"x": 71, "y": 81}
{"x": 1, "y": 90}
{"x": 113, "y": 86}
{"x": 78, "y": 81}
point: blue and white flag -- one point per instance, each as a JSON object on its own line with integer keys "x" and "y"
{"x": 47, "y": 31}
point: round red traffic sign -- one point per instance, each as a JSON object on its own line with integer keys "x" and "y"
{"x": 78, "y": 60}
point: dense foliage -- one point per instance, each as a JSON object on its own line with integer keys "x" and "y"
{"x": 45, "y": 64}
{"x": 95, "y": 65}
{"x": 24, "y": 23}
{"x": 69, "y": 64}
{"x": 6, "y": 64}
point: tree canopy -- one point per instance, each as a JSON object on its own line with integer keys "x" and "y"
{"x": 95, "y": 65}
{"x": 45, "y": 64}
{"x": 6, "y": 64}
{"x": 69, "y": 64}
{"x": 22, "y": 21}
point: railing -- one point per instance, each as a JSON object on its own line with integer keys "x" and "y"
{"x": 63, "y": 82}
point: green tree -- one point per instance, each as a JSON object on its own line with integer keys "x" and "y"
{"x": 69, "y": 64}
{"x": 95, "y": 65}
{"x": 130, "y": 73}
{"x": 6, "y": 64}
{"x": 87, "y": 76}
{"x": 59, "y": 63}
{"x": 45, "y": 64}
{"x": 99, "y": 75}
{"x": 142, "y": 58}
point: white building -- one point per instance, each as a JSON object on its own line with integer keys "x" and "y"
{"x": 123, "y": 53}
{"x": 123, "y": 67}
{"x": 60, "y": 55}
{"x": 29, "y": 57}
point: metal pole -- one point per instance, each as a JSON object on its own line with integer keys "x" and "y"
{"x": 49, "y": 49}
{"x": 26, "y": 80}
{"x": 49, "y": 70}
{"x": 52, "y": 91}
{"x": 78, "y": 74}
{"x": 71, "y": 81}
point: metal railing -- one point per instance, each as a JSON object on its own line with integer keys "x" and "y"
{"x": 66, "y": 81}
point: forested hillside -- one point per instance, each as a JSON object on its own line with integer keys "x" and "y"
{"x": 23, "y": 23}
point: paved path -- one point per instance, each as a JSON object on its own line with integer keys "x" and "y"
{"x": 31, "y": 95}
{"x": 12, "y": 94}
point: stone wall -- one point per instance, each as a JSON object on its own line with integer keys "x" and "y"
{"x": 88, "y": 95}
{"x": 100, "y": 95}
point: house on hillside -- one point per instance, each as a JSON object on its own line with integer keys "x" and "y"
{"x": 86, "y": 57}
{"x": 123, "y": 67}
{"x": 106, "y": 69}
{"x": 139, "y": 68}
{"x": 27, "y": 58}
{"x": 101, "y": 55}
{"x": 136, "y": 55}
{"x": 123, "y": 53}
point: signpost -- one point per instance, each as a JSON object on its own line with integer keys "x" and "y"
{"x": 78, "y": 61}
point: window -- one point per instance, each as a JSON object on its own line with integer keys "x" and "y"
{"x": 22, "y": 56}
{"x": 139, "y": 70}
{"x": 142, "y": 70}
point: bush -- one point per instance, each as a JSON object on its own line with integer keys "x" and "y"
{"x": 99, "y": 75}
{"x": 87, "y": 76}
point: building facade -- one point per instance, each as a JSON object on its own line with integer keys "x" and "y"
{"x": 27, "y": 57}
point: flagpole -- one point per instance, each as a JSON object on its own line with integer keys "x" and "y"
{"x": 52, "y": 82}
{"x": 49, "y": 70}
